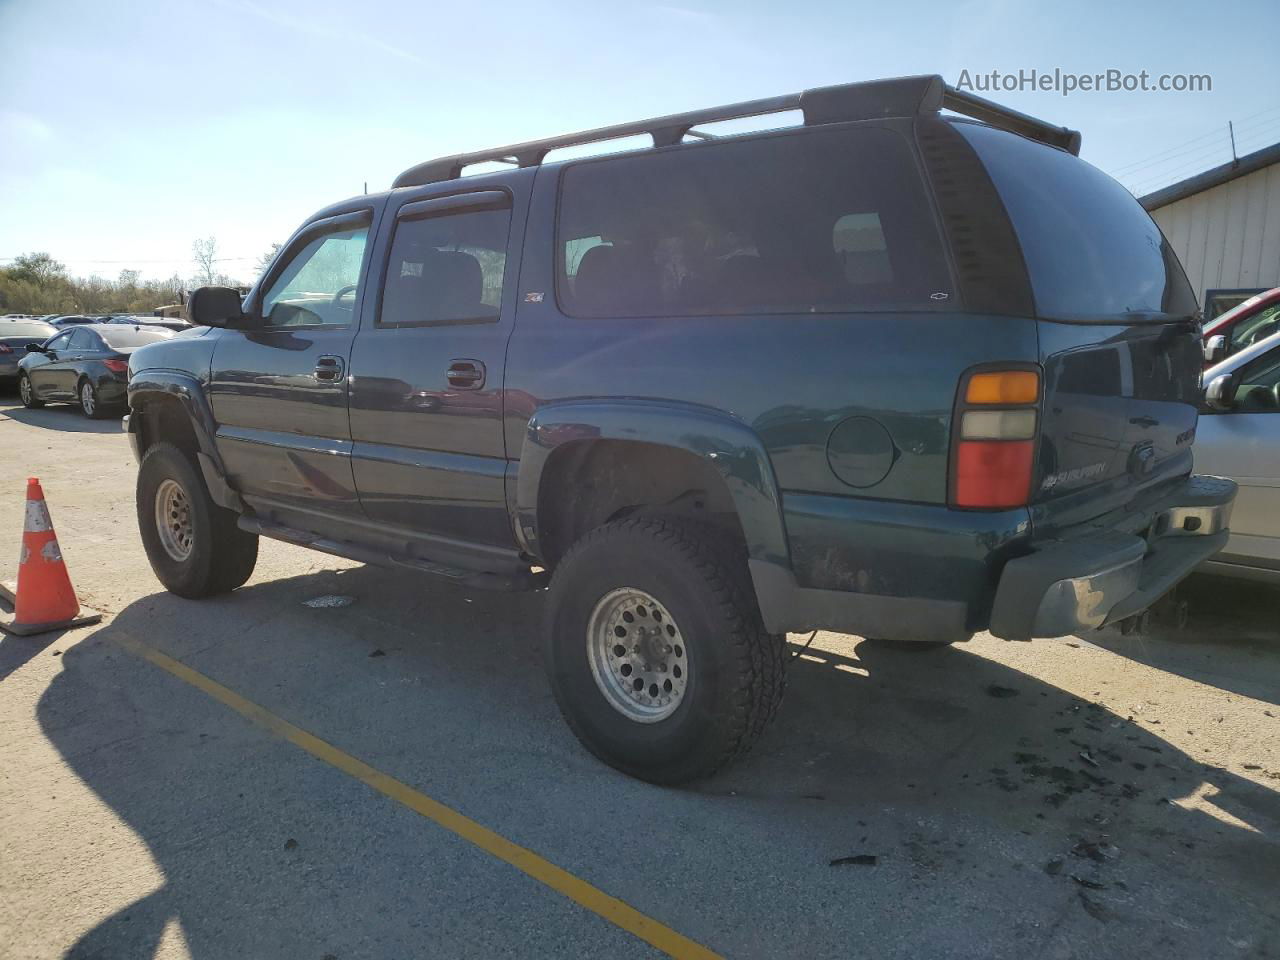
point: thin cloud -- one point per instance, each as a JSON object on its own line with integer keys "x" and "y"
{"x": 317, "y": 29}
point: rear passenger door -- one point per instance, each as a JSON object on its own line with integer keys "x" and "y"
{"x": 427, "y": 365}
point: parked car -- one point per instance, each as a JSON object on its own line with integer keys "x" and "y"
{"x": 892, "y": 372}
{"x": 1239, "y": 436}
{"x": 177, "y": 326}
{"x": 72, "y": 319}
{"x": 87, "y": 365}
{"x": 1246, "y": 324}
{"x": 15, "y": 334}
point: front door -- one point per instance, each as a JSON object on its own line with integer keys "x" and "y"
{"x": 49, "y": 370}
{"x": 427, "y": 369}
{"x": 1244, "y": 443}
{"x": 279, "y": 387}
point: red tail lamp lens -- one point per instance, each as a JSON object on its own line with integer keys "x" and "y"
{"x": 993, "y": 473}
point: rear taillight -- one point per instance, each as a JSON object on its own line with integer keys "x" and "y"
{"x": 5, "y": 348}
{"x": 116, "y": 366}
{"x": 993, "y": 453}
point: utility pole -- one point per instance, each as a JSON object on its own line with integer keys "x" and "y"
{"x": 1232, "y": 130}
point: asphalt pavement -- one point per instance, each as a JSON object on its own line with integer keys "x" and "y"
{"x": 251, "y": 776}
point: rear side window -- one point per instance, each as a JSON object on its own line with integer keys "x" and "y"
{"x": 446, "y": 269}
{"x": 1090, "y": 249}
{"x": 830, "y": 220}
{"x": 133, "y": 337}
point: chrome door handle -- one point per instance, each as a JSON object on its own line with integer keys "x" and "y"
{"x": 466, "y": 374}
{"x": 329, "y": 369}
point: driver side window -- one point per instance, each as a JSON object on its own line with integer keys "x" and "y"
{"x": 1259, "y": 389}
{"x": 319, "y": 285}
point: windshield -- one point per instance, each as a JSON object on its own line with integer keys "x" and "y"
{"x": 133, "y": 336}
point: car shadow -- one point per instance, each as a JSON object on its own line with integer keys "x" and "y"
{"x": 1229, "y": 622}
{"x": 64, "y": 417}
{"x": 874, "y": 740}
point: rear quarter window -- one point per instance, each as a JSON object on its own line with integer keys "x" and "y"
{"x": 1091, "y": 250}
{"x": 816, "y": 221}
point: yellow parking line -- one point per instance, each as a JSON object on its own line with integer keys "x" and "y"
{"x": 526, "y": 861}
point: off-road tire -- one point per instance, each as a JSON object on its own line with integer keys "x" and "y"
{"x": 222, "y": 556}
{"x": 28, "y": 393}
{"x": 736, "y": 669}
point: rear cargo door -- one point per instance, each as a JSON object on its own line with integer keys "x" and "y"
{"x": 1119, "y": 333}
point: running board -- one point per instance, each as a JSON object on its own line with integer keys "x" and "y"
{"x": 477, "y": 579}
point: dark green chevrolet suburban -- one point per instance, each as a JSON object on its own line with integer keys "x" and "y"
{"x": 907, "y": 368}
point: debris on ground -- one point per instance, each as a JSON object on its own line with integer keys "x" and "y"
{"x": 1088, "y": 758}
{"x": 328, "y": 602}
{"x": 1098, "y": 850}
{"x": 1053, "y": 867}
{"x": 1088, "y": 884}
{"x": 995, "y": 690}
{"x": 377, "y": 653}
{"x": 291, "y": 844}
{"x": 1095, "y": 909}
{"x": 858, "y": 860}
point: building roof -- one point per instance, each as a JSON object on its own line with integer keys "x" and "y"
{"x": 1212, "y": 178}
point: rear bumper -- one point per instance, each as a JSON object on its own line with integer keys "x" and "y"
{"x": 1103, "y": 576}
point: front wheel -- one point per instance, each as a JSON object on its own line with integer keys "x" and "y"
{"x": 655, "y": 649}
{"x": 28, "y": 393}
{"x": 194, "y": 545}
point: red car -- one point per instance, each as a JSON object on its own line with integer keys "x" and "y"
{"x": 1243, "y": 325}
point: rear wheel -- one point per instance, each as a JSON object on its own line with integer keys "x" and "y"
{"x": 656, "y": 652}
{"x": 28, "y": 393}
{"x": 195, "y": 547}
{"x": 90, "y": 405}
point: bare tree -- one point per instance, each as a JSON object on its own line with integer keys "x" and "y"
{"x": 205, "y": 254}
{"x": 265, "y": 260}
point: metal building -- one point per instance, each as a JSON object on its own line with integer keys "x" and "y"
{"x": 1224, "y": 225}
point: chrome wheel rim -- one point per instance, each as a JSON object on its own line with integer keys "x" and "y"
{"x": 638, "y": 656}
{"x": 24, "y": 388}
{"x": 86, "y": 398}
{"x": 173, "y": 520}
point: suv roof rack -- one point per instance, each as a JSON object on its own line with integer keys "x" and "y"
{"x": 872, "y": 99}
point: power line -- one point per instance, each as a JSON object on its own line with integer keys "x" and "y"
{"x": 1177, "y": 148}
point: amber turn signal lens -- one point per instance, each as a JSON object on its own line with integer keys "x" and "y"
{"x": 1004, "y": 387}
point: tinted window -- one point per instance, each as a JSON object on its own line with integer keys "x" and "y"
{"x": 1090, "y": 248}
{"x": 60, "y": 341}
{"x": 446, "y": 269}
{"x": 320, "y": 283}
{"x": 1259, "y": 390}
{"x": 36, "y": 331}
{"x": 83, "y": 340}
{"x": 825, "y": 220}
{"x": 132, "y": 337}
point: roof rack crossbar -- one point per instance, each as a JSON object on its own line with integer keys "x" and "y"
{"x": 998, "y": 115}
{"x": 901, "y": 97}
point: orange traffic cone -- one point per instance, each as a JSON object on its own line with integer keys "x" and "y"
{"x": 45, "y": 599}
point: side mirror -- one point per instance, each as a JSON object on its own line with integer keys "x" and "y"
{"x": 35, "y": 348}
{"x": 1215, "y": 349}
{"x": 1220, "y": 393}
{"x": 214, "y": 307}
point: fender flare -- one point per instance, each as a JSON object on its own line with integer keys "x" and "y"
{"x": 729, "y": 445}
{"x": 146, "y": 386}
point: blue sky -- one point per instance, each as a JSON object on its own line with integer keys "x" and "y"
{"x": 129, "y": 129}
